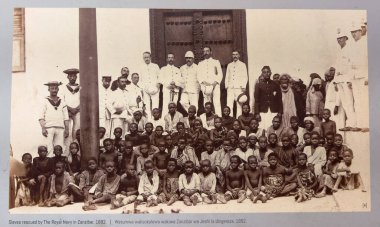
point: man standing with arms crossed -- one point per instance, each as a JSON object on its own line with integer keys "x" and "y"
{"x": 190, "y": 93}
{"x": 149, "y": 82}
{"x": 236, "y": 82}
{"x": 210, "y": 76}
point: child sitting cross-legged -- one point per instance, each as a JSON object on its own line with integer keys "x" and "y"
{"x": 128, "y": 188}
{"x": 253, "y": 179}
{"x": 107, "y": 186}
{"x": 208, "y": 182}
{"x": 189, "y": 185}
{"x": 329, "y": 177}
{"x": 148, "y": 185}
{"x": 235, "y": 181}
{"x": 307, "y": 181}
{"x": 59, "y": 186}
{"x": 348, "y": 173}
{"x": 170, "y": 183}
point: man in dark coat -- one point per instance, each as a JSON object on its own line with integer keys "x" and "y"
{"x": 268, "y": 99}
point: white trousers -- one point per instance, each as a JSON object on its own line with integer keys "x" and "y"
{"x": 167, "y": 98}
{"x": 188, "y": 99}
{"x": 74, "y": 125}
{"x": 361, "y": 102}
{"x": 232, "y": 94}
{"x": 215, "y": 100}
{"x": 347, "y": 98}
{"x": 151, "y": 102}
{"x": 266, "y": 119}
{"x": 55, "y": 137}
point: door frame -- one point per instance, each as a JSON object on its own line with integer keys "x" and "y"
{"x": 157, "y": 32}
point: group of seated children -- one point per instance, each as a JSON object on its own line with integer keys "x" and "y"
{"x": 194, "y": 164}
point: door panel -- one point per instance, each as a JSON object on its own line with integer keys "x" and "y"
{"x": 177, "y": 31}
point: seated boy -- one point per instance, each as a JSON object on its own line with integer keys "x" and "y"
{"x": 170, "y": 183}
{"x": 42, "y": 169}
{"x": 246, "y": 116}
{"x": 88, "y": 182}
{"x": 25, "y": 183}
{"x": 227, "y": 120}
{"x": 273, "y": 143}
{"x": 253, "y": 179}
{"x": 107, "y": 185}
{"x": 128, "y": 188}
{"x": 349, "y": 177}
{"x": 189, "y": 185}
{"x": 243, "y": 151}
{"x": 274, "y": 178}
{"x": 157, "y": 135}
{"x": 208, "y": 182}
{"x": 59, "y": 186}
{"x": 156, "y": 118}
{"x": 117, "y": 132}
{"x": 148, "y": 186}
{"x": 306, "y": 179}
{"x": 235, "y": 181}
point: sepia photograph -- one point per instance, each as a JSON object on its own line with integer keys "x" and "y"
{"x": 148, "y": 111}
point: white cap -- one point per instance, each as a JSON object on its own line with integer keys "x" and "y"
{"x": 189, "y": 54}
{"x": 355, "y": 26}
{"x": 340, "y": 33}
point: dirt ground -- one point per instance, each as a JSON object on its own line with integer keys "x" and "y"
{"x": 343, "y": 201}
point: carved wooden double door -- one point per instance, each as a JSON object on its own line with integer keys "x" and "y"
{"x": 178, "y": 31}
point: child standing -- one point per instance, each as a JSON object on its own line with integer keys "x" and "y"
{"x": 148, "y": 186}
{"x": 339, "y": 146}
{"x": 235, "y": 181}
{"x": 307, "y": 182}
{"x": 73, "y": 161}
{"x": 42, "y": 168}
{"x": 327, "y": 125}
{"x": 58, "y": 157}
{"x": 246, "y": 117}
{"x": 227, "y": 120}
{"x": 189, "y": 185}
{"x": 25, "y": 184}
{"x": 218, "y": 133}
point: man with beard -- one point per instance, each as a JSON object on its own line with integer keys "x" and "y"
{"x": 210, "y": 76}
{"x": 54, "y": 118}
{"x": 236, "y": 82}
{"x": 171, "y": 80}
{"x": 190, "y": 93}
{"x": 118, "y": 106}
{"x": 124, "y": 73}
{"x": 268, "y": 98}
{"x": 104, "y": 113}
